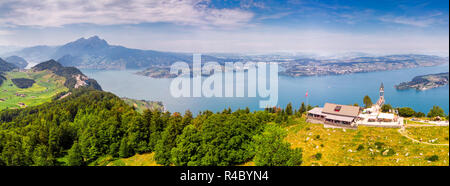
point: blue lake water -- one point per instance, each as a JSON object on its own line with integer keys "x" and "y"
{"x": 341, "y": 89}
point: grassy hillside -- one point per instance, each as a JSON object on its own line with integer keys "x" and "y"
{"x": 47, "y": 85}
{"x": 367, "y": 146}
{"x": 433, "y": 135}
{"x": 91, "y": 127}
{"x": 69, "y": 73}
{"x": 142, "y": 105}
{"x": 137, "y": 160}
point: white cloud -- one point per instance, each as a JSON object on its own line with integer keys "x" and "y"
{"x": 275, "y": 16}
{"x": 408, "y": 21}
{"x": 54, "y": 13}
{"x": 421, "y": 21}
{"x": 5, "y": 32}
{"x": 252, "y": 3}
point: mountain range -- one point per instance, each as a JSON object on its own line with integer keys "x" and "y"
{"x": 96, "y": 53}
{"x": 18, "y": 61}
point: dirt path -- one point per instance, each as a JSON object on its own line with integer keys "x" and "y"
{"x": 425, "y": 125}
{"x": 402, "y": 131}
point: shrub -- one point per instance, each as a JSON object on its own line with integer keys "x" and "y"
{"x": 386, "y": 108}
{"x": 379, "y": 145}
{"x": 318, "y": 156}
{"x": 388, "y": 152}
{"x": 419, "y": 114}
{"x": 360, "y": 147}
{"x": 406, "y": 112}
{"x": 432, "y": 158}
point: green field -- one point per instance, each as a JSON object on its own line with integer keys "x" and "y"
{"x": 429, "y": 134}
{"x": 366, "y": 146}
{"x": 47, "y": 85}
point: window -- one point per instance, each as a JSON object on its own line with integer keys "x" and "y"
{"x": 338, "y": 108}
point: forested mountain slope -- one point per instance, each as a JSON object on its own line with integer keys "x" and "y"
{"x": 89, "y": 124}
{"x": 74, "y": 77}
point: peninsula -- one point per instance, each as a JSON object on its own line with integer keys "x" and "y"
{"x": 425, "y": 82}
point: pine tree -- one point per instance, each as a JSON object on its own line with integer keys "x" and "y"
{"x": 367, "y": 101}
{"x": 302, "y": 108}
{"x": 436, "y": 111}
{"x": 187, "y": 118}
{"x": 75, "y": 157}
{"x": 289, "y": 109}
{"x": 124, "y": 149}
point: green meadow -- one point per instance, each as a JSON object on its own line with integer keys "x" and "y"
{"x": 141, "y": 105}
{"x": 369, "y": 146}
{"x": 47, "y": 85}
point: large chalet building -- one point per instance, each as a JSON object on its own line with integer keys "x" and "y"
{"x": 334, "y": 114}
{"x": 344, "y": 115}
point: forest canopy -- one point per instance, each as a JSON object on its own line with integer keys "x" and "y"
{"x": 23, "y": 82}
{"x": 90, "y": 124}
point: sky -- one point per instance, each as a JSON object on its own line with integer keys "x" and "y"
{"x": 231, "y": 26}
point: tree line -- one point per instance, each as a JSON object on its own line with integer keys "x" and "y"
{"x": 91, "y": 124}
{"x": 435, "y": 111}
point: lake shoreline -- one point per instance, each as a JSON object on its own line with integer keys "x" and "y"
{"x": 341, "y": 89}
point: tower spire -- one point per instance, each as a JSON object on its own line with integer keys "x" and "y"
{"x": 381, "y": 100}
{"x": 382, "y": 90}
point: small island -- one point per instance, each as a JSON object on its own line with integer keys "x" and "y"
{"x": 425, "y": 82}
{"x": 157, "y": 72}
{"x": 164, "y": 72}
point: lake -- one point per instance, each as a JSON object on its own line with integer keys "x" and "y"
{"x": 340, "y": 89}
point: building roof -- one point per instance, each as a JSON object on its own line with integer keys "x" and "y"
{"x": 371, "y": 109}
{"x": 316, "y": 110}
{"x": 342, "y": 110}
{"x": 340, "y": 118}
{"x": 386, "y": 116}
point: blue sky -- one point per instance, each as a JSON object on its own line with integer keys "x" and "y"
{"x": 324, "y": 27}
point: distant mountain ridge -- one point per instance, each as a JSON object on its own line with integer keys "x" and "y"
{"x": 96, "y": 53}
{"x": 35, "y": 53}
{"x": 5, "y": 66}
{"x": 18, "y": 61}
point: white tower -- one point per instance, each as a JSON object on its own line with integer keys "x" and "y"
{"x": 381, "y": 100}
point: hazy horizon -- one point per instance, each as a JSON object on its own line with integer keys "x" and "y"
{"x": 251, "y": 26}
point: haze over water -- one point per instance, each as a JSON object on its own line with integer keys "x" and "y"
{"x": 340, "y": 89}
